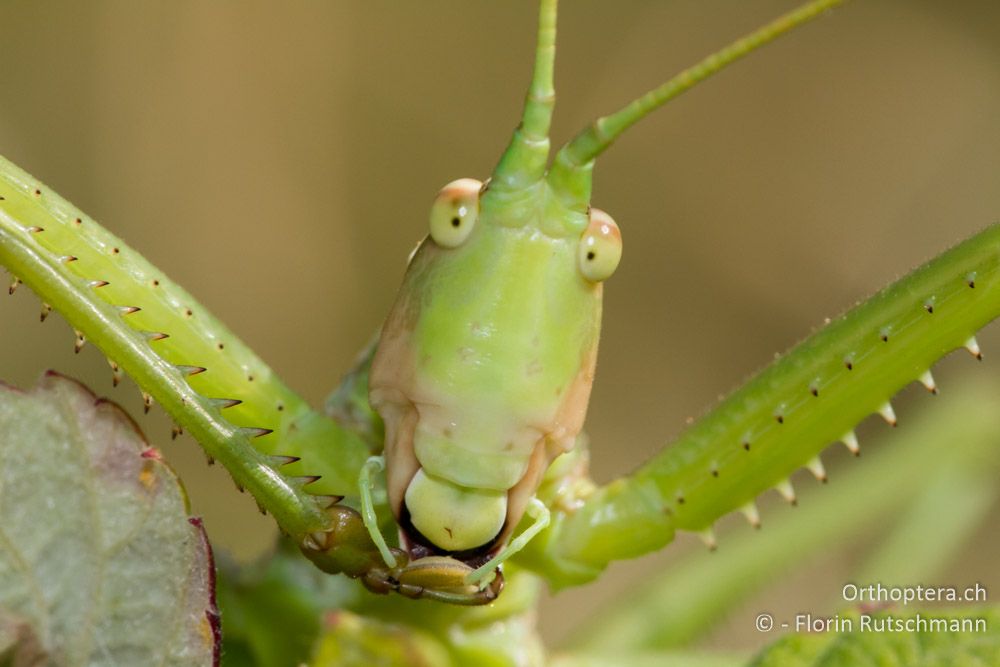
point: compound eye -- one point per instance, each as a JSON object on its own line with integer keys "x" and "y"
{"x": 600, "y": 247}
{"x": 454, "y": 212}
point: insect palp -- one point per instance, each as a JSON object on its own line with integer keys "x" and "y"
{"x": 374, "y": 464}
{"x": 536, "y": 510}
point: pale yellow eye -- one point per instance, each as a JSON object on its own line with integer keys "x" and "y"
{"x": 600, "y": 247}
{"x": 454, "y": 212}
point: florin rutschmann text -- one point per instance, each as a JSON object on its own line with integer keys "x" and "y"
{"x": 873, "y": 605}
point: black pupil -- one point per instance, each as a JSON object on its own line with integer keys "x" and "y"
{"x": 591, "y": 255}
{"x": 456, "y": 221}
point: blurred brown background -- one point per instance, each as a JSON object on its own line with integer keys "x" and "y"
{"x": 278, "y": 159}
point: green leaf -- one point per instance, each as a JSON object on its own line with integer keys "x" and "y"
{"x": 355, "y": 641}
{"x": 99, "y": 562}
{"x": 283, "y": 610}
{"x": 273, "y": 608}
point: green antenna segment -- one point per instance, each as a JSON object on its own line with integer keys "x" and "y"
{"x": 523, "y": 163}
{"x": 570, "y": 174}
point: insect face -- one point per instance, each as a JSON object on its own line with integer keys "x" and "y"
{"x": 485, "y": 364}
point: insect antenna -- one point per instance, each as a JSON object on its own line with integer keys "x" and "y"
{"x": 523, "y": 162}
{"x": 570, "y": 174}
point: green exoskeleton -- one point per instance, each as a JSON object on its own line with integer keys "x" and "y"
{"x": 484, "y": 369}
{"x": 484, "y": 366}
